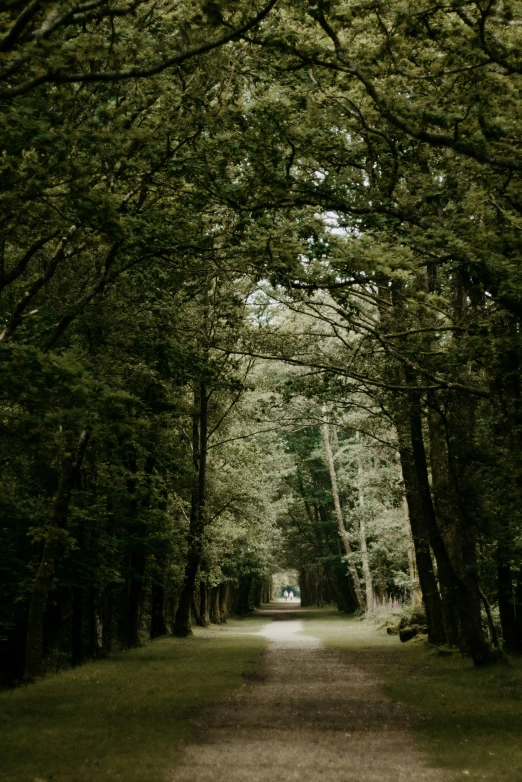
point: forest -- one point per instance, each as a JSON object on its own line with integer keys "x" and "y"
{"x": 260, "y": 309}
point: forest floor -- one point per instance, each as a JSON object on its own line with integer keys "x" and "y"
{"x": 330, "y": 700}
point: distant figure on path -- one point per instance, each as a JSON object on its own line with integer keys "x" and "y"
{"x": 291, "y": 595}
{"x": 286, "y": 594}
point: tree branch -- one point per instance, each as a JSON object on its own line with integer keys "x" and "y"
{"x": 136, "y": 72}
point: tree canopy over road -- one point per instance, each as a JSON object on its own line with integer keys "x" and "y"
{"x": 260, "y": 308}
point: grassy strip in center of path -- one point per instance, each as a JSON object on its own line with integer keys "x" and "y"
{"x": 125, "y": 717}
{"x": 470, "y": 719}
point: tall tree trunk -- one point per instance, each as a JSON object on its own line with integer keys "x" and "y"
{"x": 421, "y": 543}
{"x": 518, "y": 603}
{"x": 244, "y": 595}
{"x": 108, "y": 620}
{"x": 224, "y": 590}
{"x": 77, "y": 627}
{"x": 204, "y": 604}
{"x": 53, "y": 620}
{"x": 129, "y": 629}
{"x": 506, "y": 602}
{"x": 368, "y": 582}
{"x": 303, "y": 587}
{"x": 95, "y": 624}
{"x": 339, "y": 514}
{"x": 196, "y": 608}
{"x": 158, "y": 623}
{"x": 182, "y": 626}
{"x": 132, "y": 618}
{"x": 506, "y": 393}
{"x": 343, "y": 593}
{"x": 467, "y": 602}
{"x": 215, "y": 613}
{"x": 258, "y": 588}
{"x": 451, "y": 530}
{"x": 416, "y": 594}
{"x": 381, "y": 580}
{"x": 491, "y": 624}
{"x": 451, "y": 516}
{"x": 69, "y": 477}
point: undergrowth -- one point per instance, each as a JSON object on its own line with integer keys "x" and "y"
{"x": 394, "y": 619}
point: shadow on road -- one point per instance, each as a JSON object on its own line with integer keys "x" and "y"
{"x": 293, "y": 610}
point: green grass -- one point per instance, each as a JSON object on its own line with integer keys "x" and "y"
{"x": 470, "y": 719}
{"x": 124, "y": 718}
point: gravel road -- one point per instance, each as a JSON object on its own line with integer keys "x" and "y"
{"x": 308, "y": 715}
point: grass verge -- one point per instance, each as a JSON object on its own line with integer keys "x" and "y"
{"x": 124, "y": 718}
{"x": 470, "y": 719}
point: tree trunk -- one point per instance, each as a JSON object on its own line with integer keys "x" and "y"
{"x": 303, "y": 587}
{"x": 408, "y": 422}
{"x": 506, "y": 604}
{"x": 451, "y": 520}
{"x": 257, "y": 594}
{"x": 95, "y": 625}
{"x": 215, "y": 613}
{"x": 419, "y": 532}
{"x": 466, "y": 600}
{"x": 182, "y": 626}
{"x": 380, "y": 576}
{"x": 131, "y": 618}
{"x": 491, "y": 624}
{"x": 339, "y": 515}
{"x": 196, "y": 608}
{"x": 158, "y": 623}
{"x": 129, "y": 626}
{"x": 204, "y": 604}
{"x": 77, "y": 627}
{"x": 506, "y": 387}
{"x": 340, "y": 596}
{"x": 224, "y": 590}
{"x": 368, "y": 582}
{"x": 108, "y": 621}
{"x": 453, "y": 493}
{"x": 69, "y": 477}
{"x": 518, "y": 603}
{"x": 416, "y": 594}
{"x": 245, "y": 587}
{"x": 344, "y": 591}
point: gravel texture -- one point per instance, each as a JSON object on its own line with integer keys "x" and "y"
{"x": 308, "y": 715}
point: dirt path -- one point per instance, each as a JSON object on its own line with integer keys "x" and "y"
{"x": 308, "y": 715}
